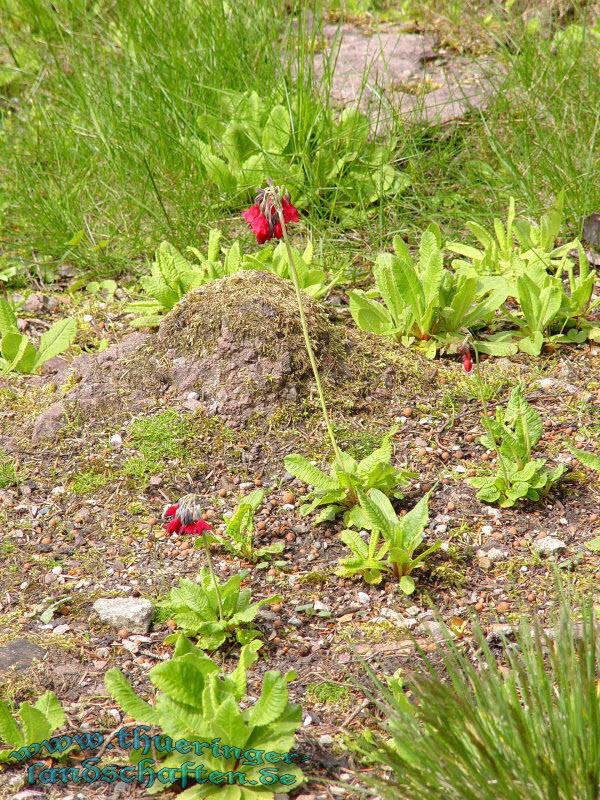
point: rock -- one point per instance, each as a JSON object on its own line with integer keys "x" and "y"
{"x": 116, "y": 440}
{"x": 19, "y": 654}
{"x": 549, "y": 546}
{"x": 500, "y": 629}
{"x": 552, "y": 385}
{"x": 394, "y": 71}
{"x": 325, "y": 739}
{"x": 591, "y": 229}
{"x": 49, "y": 423}
{"x": 133, "y": 613}
{"x": 34, "y": 303}
{"x": 437, "y": 630}
{"x": 363, "y": 598}
{"x": 494, "y": 554}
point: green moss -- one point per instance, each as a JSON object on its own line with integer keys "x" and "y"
{"x": 89, "y": 481}
{"x": 327, "y": 693}
{"x": 161, "y": 435}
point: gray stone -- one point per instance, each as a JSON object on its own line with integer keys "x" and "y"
{"x": 392, "y": 71}
{"x": 494, "y": 554}
{"x": 437, "y": 630}
{"x": 549, "y": 546}
{"x": 49, "y": 423}
{"x": 19, "y": 654}
{"x": 591, "y": 229}
{"x": 552, "y": 385}
{"x": 133, "y": 613}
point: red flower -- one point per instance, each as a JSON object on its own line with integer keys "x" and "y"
{"x": 264, "y": 227}
{"x": 176, "y": 525}
{"x": 465, "y": 352}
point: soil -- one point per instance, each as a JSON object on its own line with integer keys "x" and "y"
{"x": 84, "y": 521}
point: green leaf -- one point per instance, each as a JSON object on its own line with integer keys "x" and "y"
{"x": 49, "y": 705}
{"x": 56, "y": 340}
{"x": 272, "y": 701}
{"x": 407, "y": 584}
{"x": 228, "y": 723}
{"x": 10, "y": 732}
{"x": 276, "y": 133}
{"x": 122, "y": 691}
{"x": 532, "y": 345}
{"x": 301, "y": 468}
{"x": 369, "y": 315}
{"x": 36, "y": 727}
{"x": 593, "y": 544}
{"x": 590, "y": 460}
{"x": 19, "y": 353}
{"x": 8, "y": 321}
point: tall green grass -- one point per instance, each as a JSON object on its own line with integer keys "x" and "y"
{"x": 93, "y": 163}
{"x": 526, "y": 727}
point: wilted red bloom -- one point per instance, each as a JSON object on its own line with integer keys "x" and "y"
{"x": 176, "y": 525}
{"x": 265, "y": 228}
{"x": 465, "y": 352}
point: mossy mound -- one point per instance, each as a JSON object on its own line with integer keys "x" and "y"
{"x": 238, "y": 343}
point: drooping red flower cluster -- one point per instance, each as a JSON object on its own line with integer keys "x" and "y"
{"x": 185, "y": 525}
{"x": 465, "y": 352}
{"x": 269, "y": 227}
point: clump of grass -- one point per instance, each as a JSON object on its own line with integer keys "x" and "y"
{"x": 157, "y": 438}
{"x": 529, "y": 728}
{"x": 89, "y": 481}
{"x": 8, "y": 471}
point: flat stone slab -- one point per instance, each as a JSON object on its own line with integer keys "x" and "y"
{"x": 391, "y": 71}
{"x": 19, "y": 654}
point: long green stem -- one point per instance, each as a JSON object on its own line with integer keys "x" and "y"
{"x": 309, "y": 349}
{"x": 214, "y": 577}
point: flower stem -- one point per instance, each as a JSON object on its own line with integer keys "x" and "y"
{"x": 211, "y": 569}
{"x": 309, "y": 349}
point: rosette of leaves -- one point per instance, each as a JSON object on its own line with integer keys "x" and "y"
{"x": 337, "y": 491}
{"x": 510, "y": 250}
{"x": 330, "y": 164}
{"x": 32, "y": 724}
{"x": 196, "y": 702}
{"x": 172, "y": 275}
{"x": 425, "y": 303}
{"x": 16, "y": 351}
{"x": 513, "y": 434}
{"x": 195, "y": 608}
{"x": 392, "y": 544}
{"x": 237, "y": 537}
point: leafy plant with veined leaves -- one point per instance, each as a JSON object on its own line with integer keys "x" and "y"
{"x": 172, "y": 275}
{"x": 548, "y": 311}
{"x": 238, "y": 533}
{"x": 19, "y": 354}
{"x": 333, "y": 164}
{"x": 511, "y": 249}
{"x": 513, "y": 434}
{"x": 35, "y": 723}
{"x": 196, "y": 702}
{"x": 392, "y": 543}
{"x": 425, "y": 303}
{"x": 338, "y": 491}
{"x": 588, "y": 459}
{"x": 194, "y": 606}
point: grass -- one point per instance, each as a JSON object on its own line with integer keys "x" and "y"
{"x": 529, "y": 728}
{"x": 102, "y": 100}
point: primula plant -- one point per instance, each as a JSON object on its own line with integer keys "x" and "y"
{"x": 425, "y": 303}
{"x": 237, "y": 537}
{"x": 194, "y": 606}
{"x": 197, "y": 703}
{"x": 513, "y": 434}
{"x": 16, "y": 351}
{"x": 173, "y": 275}
{"x": 392, "y": 544}
{"x": 337, "y": 491}
{"x": 334, "y": 166}
{"x": 35, "y": 723}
